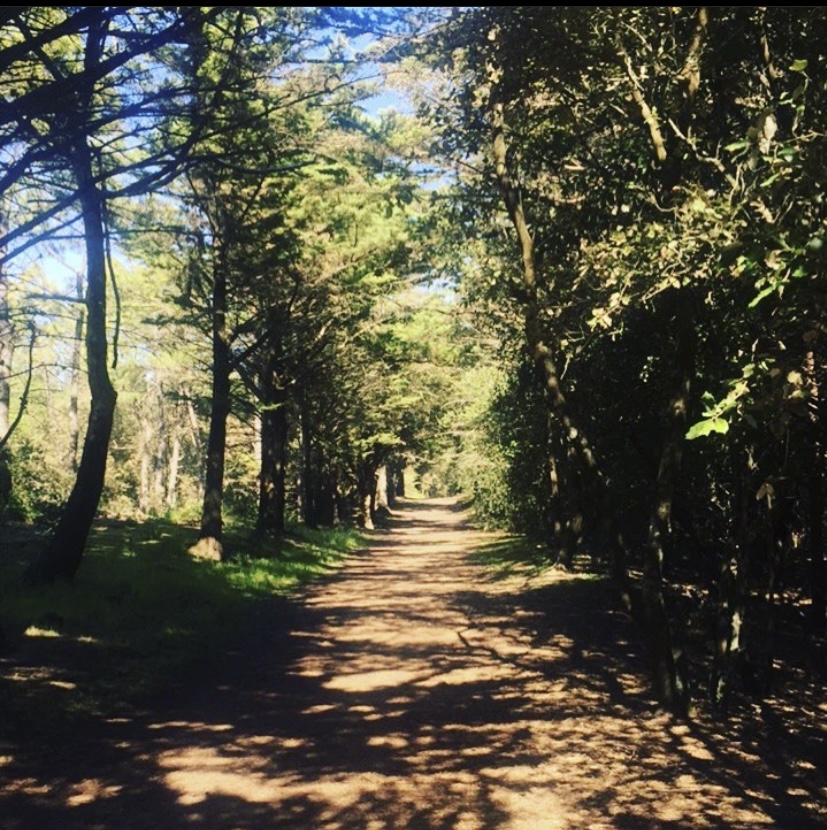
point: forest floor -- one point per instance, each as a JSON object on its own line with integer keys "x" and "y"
{"x": 414, "y": 689}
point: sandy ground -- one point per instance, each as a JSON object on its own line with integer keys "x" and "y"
{"x": 413, "y": 691}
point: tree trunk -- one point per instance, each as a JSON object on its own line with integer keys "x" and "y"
{"x": 366, "y": 486}
{"x": 172, "y": 473}
{"x": 274, "y": 427}
{"x": 144, "y": 487}
{"x": 732, "y": 590}
{"x": 779, "y": 542}
{"x": 815, "y": 495}
{"x": 565, "y": 523}
{"x": 343, "y": 504}
{"x": 365, "y": 511}
{"x": 671, "y": 683}
{"x": 192, "y": 417}
{"x": 399, "y": 478}
{"x": 74, "y": 383}
{"x": 6, "y": 339}
{"x": 308, "y": 477}
{"x": 62, "y": 556}
{"x": 729, "y": 641}
{"x": 210, "y": 538}
{"x": 381, "y": 502}
{"x": 394, "y": 472}
{"x": 6, "y": 353}
{"x": 326, "y": 499}
{"x": 273, "y": 462}
{"x": 159, "y": 458}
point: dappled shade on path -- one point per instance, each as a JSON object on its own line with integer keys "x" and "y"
{"x": 415, "y": 689}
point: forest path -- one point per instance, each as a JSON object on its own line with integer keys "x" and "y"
{"x": 410, "y": 690}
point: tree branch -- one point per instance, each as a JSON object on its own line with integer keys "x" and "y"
{"x": 24, "y": 398}
{"x": 649, "y": 117}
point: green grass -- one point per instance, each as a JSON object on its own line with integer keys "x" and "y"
{"x": 280, "y": 566}
{"x": 140, "y": 616}
{"x": 519, "y": 555}
{"x": 513, "y": 555}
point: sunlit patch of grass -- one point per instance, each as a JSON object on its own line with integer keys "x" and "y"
{"x": 517, "y": 555}
{"x": 510, "y": 555}
{"x": 140, "y": 617}
{"x": 34, "y": 631}
{"x": 280, "y": 565}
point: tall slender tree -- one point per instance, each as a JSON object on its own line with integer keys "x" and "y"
{"x": 6, "y": 354}
{"x": 80, "y": 109}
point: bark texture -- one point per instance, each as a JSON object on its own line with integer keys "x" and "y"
{"x": 274, "y": 428}
{"x": 671, "y": 682}
{"x": 63, "y": 554}
{"x": 210, "y": 538}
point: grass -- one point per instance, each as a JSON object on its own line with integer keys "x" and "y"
{"x": 140, "y": 616}
{"x": 517, "y": 555}
{"x": 512, "y": 555}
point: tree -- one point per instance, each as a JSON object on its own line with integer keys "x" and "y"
{"x": 495, "y": 66}
{"x": 6, "y": 353}
{"x": 83, "y": 117}
{"x": 652, "y": 219}
{"x": 237, "y": 209}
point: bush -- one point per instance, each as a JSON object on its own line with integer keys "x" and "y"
{"x": 36, "y": 491}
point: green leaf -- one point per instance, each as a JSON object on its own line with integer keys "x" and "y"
{"x": 703, "y": 428}
{"x": 798, "y": 66}
{"x": 736, "y": 145}
{"x": 761, "y": 295}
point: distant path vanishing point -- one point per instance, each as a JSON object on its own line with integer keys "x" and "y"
{"x": 410, "y": 690}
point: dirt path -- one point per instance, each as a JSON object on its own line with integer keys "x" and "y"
{"x": 412, "y": 692}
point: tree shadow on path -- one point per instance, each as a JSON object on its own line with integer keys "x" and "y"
{"x": 410, "y": 690}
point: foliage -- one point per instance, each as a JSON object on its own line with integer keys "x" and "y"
{"x": 514, "y": 494}
{"x": 34, "y": 496}
{"x": 583, "y": 282}
{"x": 641, "y": 192}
